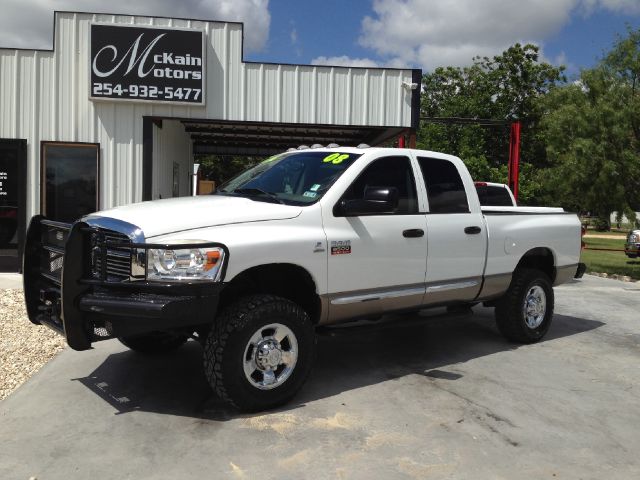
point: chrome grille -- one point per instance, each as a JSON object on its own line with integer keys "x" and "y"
{"x": 118, "y": 259}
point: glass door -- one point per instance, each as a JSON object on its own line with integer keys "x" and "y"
{"x": 13, "y": 167}
{"x": 69, "y": 180}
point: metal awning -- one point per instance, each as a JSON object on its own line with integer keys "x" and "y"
{"x": 263, "y": 138}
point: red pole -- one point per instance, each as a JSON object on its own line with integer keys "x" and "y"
{"x": 514, "y": 159}
{"x": 401, "y": 141}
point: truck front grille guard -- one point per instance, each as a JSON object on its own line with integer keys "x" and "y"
{"x": 97, "y": 255}
{"x": 109, "y": 254}
{"x": 54, "y": 237}
{"x": 63, "y": 262}
{"x": 42, "y": 271}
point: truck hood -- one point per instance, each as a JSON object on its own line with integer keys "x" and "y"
{"x": 159, "y": 217}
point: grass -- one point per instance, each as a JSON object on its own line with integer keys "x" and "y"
{"x": 610, "y": 262}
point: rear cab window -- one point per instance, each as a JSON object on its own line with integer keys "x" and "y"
{"x": 494, "y": 196}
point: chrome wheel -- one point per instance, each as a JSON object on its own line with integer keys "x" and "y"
{"x": 270, "y": 356}
{"x": 535, "y": 307}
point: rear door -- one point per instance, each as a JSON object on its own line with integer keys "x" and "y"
{"x": 456, "y": 233}
{"x": 377, "y": 262}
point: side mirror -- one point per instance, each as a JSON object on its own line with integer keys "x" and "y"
{"x": 376, "y": 200}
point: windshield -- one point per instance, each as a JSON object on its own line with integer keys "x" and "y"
{"x": 295, "y": 178}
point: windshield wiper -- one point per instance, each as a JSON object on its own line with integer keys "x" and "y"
{"x": 258, "y": 191}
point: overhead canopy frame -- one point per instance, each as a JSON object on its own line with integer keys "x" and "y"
{"x": 222, "y": 137}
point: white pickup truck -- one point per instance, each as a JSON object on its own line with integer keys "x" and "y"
{"x": 306, "y": 238}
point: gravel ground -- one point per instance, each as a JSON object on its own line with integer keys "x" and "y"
{"x": 24, "y": 347}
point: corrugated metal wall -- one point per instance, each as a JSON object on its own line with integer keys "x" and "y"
{"x": 45, "y": 96}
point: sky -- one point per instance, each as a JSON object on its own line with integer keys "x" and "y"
{"x": 397, "y": 33}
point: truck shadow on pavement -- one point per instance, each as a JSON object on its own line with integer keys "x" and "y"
{"x": 349, "y": 357}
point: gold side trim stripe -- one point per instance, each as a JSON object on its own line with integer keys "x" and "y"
{"x": 377, "y": 296}
{"x": 451, "y": 286}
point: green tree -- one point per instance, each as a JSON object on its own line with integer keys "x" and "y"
{"x": 505, "y": 87}
{"x": 593, "y": 133}
{"x": 221, "y": 168}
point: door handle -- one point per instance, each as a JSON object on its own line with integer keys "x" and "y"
{"x": 472, "y": 230}
{"x": 413, "y": 233}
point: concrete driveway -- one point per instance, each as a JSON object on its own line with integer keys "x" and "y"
{"x": 418, "y": 397}
{"x": 10, "y": 280}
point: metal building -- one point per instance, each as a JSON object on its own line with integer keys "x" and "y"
{"x": 115, "y": 111}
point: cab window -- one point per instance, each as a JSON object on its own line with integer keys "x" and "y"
{"x": 393, "y": 171}
{"x": 445, "y": 189}
{"x": 494, "y": 196}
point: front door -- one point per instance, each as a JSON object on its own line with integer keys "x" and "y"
{"x": 13, "y": 174}
{"x": 377, "y": 262}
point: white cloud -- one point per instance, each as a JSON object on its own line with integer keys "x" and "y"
{"x": 28, "y": 23}
{"x": 293, "y": 35}
{"x": 344, "y": 61}
{"x": 438, "y": 32}
{"x": 560, "y": 59}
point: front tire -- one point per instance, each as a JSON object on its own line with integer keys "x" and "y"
{"x": 259, "y": 352}
{"x": 524, "y": 313}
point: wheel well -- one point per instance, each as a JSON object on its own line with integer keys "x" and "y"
{"x": 282, "y": 279}
{"x": 539, "y": 258}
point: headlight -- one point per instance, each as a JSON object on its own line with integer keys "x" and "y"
{"x": 185, "y": 264}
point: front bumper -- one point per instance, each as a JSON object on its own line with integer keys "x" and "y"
{"x": 86, "y": 309}
{"x": 106, "y": 313}
{"x": 632, "y": 250}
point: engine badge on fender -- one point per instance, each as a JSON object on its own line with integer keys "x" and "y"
{"x": 340, "y": 247}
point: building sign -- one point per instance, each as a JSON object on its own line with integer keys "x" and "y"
{"x": 147, "y": 64}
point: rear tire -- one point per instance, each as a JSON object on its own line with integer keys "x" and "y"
{"x": 259, "y": 352}
{"x": 524, "y": 313}
{"x": 154, "y": 343}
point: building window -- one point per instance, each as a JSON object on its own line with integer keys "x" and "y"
{"x": 69, "y": 180}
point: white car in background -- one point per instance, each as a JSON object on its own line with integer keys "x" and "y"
{"x": 632, "y": 246}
